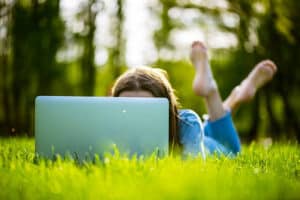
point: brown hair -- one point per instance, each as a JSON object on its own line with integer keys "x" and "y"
{"x": 156, "y": 82}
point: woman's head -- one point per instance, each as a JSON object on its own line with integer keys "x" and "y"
{"x": 150, "y": 82}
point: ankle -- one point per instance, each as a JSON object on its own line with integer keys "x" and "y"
{"x": 211, "y": 91}
{"x": 214, "y": 105}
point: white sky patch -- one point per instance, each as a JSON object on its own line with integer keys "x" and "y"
{"x": 230, "y": 19}
{"x": 101, "y": 56}
{"x": 211, "y": 3}
{"x": 186, "y": 16}
{"x": 221, "y": 40}
{"x": 68, "y": 10}
{"x": 139, "y": 26}
{"x": 104, "y": 25}
{"x": 182, "y": 39}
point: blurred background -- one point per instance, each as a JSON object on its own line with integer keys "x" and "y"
{"x": 64, "y": 47}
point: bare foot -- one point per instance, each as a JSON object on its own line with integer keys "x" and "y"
{"x": 262, "y": 73}
{"x": 204, "y": 82}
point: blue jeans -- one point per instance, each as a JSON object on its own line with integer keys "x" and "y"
{"x": 220, "y": 136}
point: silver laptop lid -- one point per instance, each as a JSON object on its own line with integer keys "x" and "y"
{"x": 84, "y": 126}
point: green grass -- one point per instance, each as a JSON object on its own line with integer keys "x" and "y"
{"x": 258, "y": 173}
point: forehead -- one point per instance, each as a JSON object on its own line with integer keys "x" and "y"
{"x": 136, "y": 93}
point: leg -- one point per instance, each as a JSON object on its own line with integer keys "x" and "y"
{"x": 204, "y": 84}
{"x": 221, "y": 135}
{"x": 262, "y": 73}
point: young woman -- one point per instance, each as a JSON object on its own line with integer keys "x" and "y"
{"x": 187, "y": 133}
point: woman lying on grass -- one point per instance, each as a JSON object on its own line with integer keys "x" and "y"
{"x": 218, "y": 133}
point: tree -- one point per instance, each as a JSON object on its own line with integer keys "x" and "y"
{"x": 36, "y": 33}
{"x": 265, "y": 29}
{"x": 88, "y": 15}
{"x": 116, "y": 54}
{"x": 5, "y": 116}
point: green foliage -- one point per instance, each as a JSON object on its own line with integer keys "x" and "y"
{"x": 260, "y": 172}
{"x": 265, "y": 29}
{"x": 274, "y": 24}
{"x": 106, "y": 79}
{"x": 35, "y": 43}
{"x": 181, "y": 75}
{"x": 36, "y": 32}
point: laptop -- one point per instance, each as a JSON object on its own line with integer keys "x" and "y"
{"x": 85, "y": 126}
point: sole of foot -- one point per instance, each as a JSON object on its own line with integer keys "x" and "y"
{"x": 261, "y": 74}
{"x": 204, "y": 82}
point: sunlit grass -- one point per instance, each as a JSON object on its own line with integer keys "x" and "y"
{"x": 258, "y": 173}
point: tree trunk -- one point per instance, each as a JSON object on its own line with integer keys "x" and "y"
{"x": 87, "y": 60}
{"x": 117, "y": 51}
{"x": 273, "y": 125}
{"x": 255, "y": 120}
{"x": 5, "y": 95}
{"x": 290, "y": 120}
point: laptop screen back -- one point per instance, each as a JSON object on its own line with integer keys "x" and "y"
{"x": 82, "y": 126}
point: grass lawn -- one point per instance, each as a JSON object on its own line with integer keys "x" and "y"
{"x": 258, "y": 173}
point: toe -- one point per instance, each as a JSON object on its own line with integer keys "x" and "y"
{"x": 270, "y": 64}
{"x": 198, "y": 44}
